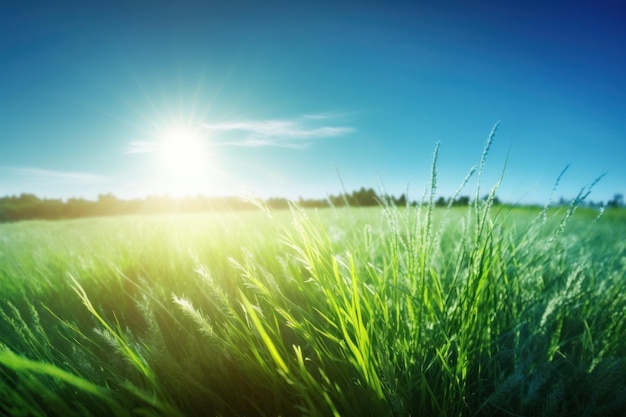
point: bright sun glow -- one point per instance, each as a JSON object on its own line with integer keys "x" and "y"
{"x": 183, "y": 161}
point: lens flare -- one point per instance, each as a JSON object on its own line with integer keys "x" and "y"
{"x": 183, "y": 161}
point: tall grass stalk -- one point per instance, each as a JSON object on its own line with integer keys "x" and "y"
{"x": 393, "y": 311}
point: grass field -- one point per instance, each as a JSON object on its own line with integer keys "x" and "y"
{"x": 352, "y": 311}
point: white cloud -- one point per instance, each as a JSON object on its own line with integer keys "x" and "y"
{"x": 286, "y": 133}
{"x": 141, "y": 146}
{"x": 295, "y": 133}
{"x": 68, "y": 176}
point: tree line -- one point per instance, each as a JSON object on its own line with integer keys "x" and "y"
{"x": 29, "y": 206}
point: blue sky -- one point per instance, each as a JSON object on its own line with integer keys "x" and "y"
{"x": 276, "y": 97}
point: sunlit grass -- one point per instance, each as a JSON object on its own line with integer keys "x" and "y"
{"x": 392, "y": 311}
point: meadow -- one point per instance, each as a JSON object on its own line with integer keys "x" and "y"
{"x": 392, "y": 311}
{"x": 485, "y": 310}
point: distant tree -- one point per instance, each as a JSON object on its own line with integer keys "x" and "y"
{"x": 9, "y": 210}
{"x": 108, "y": 204}
{"x": 594, "y": 204}
{"x": 496, "y": 201}
{"x": 617, "y": 201}
{"x": 364, "y": 197}
{"x": 79, "y": 207}
{"x": 28, "y": 206}
{"x": 277, "y": 203}
{"x": 461, "y": 201}
{"x": 338, "y": 200}
{"x": 312, "y": 203}
{"x": 400, "y": 201}
{"x": 52, "y": 209}
{"x": 441, "y": 202}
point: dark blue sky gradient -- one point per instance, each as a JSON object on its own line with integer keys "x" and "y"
{"x": 366, "y": 87}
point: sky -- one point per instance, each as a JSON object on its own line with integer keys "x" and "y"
{"x": 299, "y": 99}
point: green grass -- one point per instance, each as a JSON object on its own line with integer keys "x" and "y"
{"x": 392, "y": 311}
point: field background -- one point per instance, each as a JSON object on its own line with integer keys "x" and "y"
{"x": 341, "y": 311}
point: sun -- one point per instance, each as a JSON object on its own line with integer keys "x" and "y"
{"x": 183, "y": 161}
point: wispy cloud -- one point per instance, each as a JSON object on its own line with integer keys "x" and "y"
{"x": 67, "y": 176}
{"x": 294, "y": 133}
{"x": 141, "y": 146}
